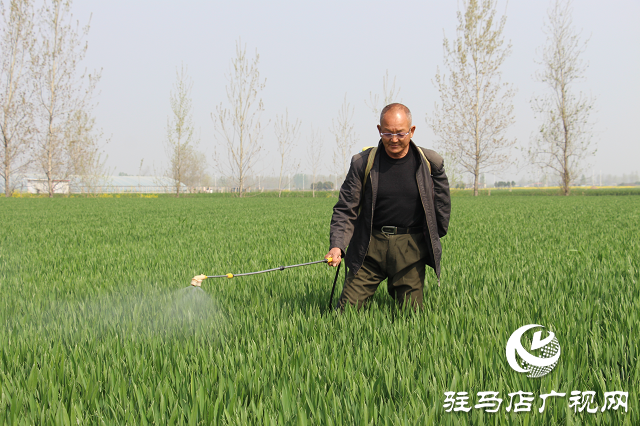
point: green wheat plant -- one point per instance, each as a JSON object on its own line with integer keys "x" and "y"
{"x": 99, "y": 325}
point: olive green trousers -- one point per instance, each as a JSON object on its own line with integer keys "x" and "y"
{"x": 401, "y": 259}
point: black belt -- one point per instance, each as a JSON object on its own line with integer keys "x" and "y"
{"x": 394, "y": 230}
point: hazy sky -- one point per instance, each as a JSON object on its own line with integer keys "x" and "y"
{"x": 313, "y": 53}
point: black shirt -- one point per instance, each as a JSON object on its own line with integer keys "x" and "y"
{"x": 398, "y": 202}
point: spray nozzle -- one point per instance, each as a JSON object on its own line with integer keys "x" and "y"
{"x": 197, "y": 280}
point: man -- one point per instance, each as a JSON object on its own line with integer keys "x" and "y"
{"x": 392, "y": 227}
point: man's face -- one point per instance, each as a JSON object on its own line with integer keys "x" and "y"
{"x": 396, "y": 121}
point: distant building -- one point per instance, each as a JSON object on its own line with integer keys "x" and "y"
{"x": 39, "y": 185}
{"x": 97, "y": 185}
{"x": 124, "y": 184}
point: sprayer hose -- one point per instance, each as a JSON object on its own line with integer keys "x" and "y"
{"x": 281, "y": 268}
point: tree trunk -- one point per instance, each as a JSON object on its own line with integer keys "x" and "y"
{"x": 280, "y": 180}
{"x": 476, "y": 175}
{"x": 566, "y": 176}
{"x": 50, "y": 173}
{"x": 476, "y": 170}
{"x": 7, "y": 182}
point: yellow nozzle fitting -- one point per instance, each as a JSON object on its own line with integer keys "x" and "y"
{"x": 229, "y": 275}
{"x": 329, "y": 259}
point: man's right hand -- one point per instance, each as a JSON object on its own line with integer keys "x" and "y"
{"x": 336, "y": 256}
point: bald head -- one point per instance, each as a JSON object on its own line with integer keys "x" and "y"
{"x": 394, "y": 109}
{"x": 396, "y": 130}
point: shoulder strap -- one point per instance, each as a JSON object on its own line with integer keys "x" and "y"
{"x": 425, "y": 159}
{"x": 367, "y": 170}
{"x": 372, "y": 156}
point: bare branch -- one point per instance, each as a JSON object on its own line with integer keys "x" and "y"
{"x": 342, "y": 130}
{"x": 67, "y": 141}
{"x": 315, "y": 153}
{"x": 564, "y": 138}
{"x": 16, "y": 123}
{"x": 389, "y": 93}
{"x": 238, "y": 127}
{"x": 476, "y": 106}
{"x": 287, "y": 134}
{"x": 181, "y": 142}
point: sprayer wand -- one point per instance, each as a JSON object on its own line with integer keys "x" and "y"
{"x": 197, "y": 280}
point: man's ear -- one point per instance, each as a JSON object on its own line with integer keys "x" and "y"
{"x": 413, "y": 129}
{"x": 379, "y": 128}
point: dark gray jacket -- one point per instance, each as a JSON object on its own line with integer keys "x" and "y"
{"x": 353, "y": 230}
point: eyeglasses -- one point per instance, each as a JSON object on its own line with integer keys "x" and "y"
{"x": 391, "y": 135}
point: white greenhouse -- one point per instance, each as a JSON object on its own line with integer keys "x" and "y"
{"x": 97, "y": 185}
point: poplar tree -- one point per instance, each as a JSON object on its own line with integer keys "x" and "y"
{"x": 389, "y": 93}
{"x": 315, "y": 153}
{"x": 67, "y": 141}
{"x": 342, "y": 130}
{"x": 238, "y": 126}
{"x": 287, "y": 134}
{"x": 564, "y": 138}
{"x": 16, "y": 126}
{"x": 476, "y": 106}
{"x": 181, "y": 140}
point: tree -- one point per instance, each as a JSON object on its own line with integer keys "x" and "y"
{"x": 16, "y": 42}
{"x": 64, "y": 99}
{"x": 181, "y": 140}
{"x": 342, "y": 130}
{"x": 502, "y": 184}
{"x": 322, "y": 186}
{"x": 239, "y": 127}
{"x": 287, "y": 133}
{"x": 388, "y": 91}
{"x": 564, "y": 139}
{"x": 454, "y": 174}
{"x": 196, "y": 173}
{"x": 85, "y": 157}
{"x": 315, "y": 153}
{"x": 476, "y": 107}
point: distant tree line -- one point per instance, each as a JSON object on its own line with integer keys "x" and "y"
{"x": 473, "y": 115}
{"x": 322, "y": 186}
{"x": 502, "y": 184}
{"x": 47, "y": 124}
